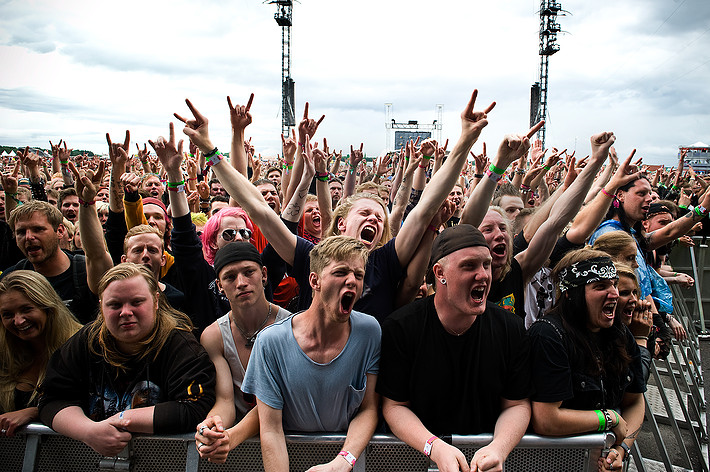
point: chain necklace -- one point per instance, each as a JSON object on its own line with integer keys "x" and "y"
{"x": 250, "y": 339}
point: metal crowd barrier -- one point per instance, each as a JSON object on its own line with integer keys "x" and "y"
{"x": 682, "y": 404}
{"x": 38, "y": 448}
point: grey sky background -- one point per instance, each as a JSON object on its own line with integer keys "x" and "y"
{"x": 77, "y": 69}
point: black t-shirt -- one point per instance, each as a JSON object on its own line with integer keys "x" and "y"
{"x": 454, "y": 384}
{"x": 559, "y": 370}
{"x": 509, "y": 292}
{"x": 71, "y": 286}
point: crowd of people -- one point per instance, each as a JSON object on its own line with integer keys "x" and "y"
{"x": 421, "y": 294}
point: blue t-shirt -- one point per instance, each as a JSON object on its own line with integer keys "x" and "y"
{"x": 313, "y": 397}
{"x": 648, "y": 279}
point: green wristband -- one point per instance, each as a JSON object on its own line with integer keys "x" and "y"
{"x": 496, "y": 170}
{"x": 546, "y": 167}
{"x": 175, "y": 184}
{"x": 602, "y": 420}
{"x": 674, "y": 187}
{"x": 426, "y": 158}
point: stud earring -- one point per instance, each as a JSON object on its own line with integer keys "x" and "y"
{"x": 443, "y": 281}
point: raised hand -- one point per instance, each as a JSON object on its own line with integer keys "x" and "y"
{"x": 118, "y": 153}
{"x": 143, "y": 154}
{"x": 130, "y": 182}
{"x": 239, "y": 115}
{"x": 441, "y": 151}
{"x": 9, "y": 181}
{"x": 428, "y": 147}
{"x": 625, "y": 173}
{"x": 170, "y": 156}
{"x": 308, "y": 126}
{"x": 289, "y": 147}
{"x": 514, "y": 146}
{"x": 87, "y": 182}
{"x": 537, "y": 153}
{"x": 473, "y": 122}
{"x": 197, "y": 130}
{"x": 383, "y": 164}
{"x": 481, "y": 160}
{"x": 356, "y": 156}
{"x": 31, "y": 161}
{"x": 602, "y": 145}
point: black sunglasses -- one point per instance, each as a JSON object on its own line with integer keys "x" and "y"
{"x": 231, "y": 234}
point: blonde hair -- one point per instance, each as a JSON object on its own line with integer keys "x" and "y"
{"x": 508, "y": 239}
{"x": 167, "y": 319}
{"x": 141, "y": 229}
{"x": 342, "y": 210}
{"x": 17, "y": 356}
{"x": 336, "y": 248}
{"x": 613, "y": 242}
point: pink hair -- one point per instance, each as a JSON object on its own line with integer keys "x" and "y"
{"x": 209, "y": 232}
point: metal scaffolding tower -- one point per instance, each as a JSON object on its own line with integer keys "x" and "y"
{"x": 284, "y": 18}
{"x": 549, "y": 29}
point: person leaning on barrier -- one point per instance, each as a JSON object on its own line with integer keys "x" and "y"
{"x": 136, "y": 369}
{"x": 454, "y": 363}
{"x": 587, "y": 371}
{"x": 35, "y": 323}
{"x": 241, "y": 277}
{"x": 316, "y": 371}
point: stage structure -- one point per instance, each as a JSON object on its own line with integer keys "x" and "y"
{"x": 412, "y": 129}
{"x": 549, "y": 29}
{"x": 284, "y": 18}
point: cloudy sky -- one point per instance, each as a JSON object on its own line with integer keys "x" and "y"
{"x": 76, "y": 69}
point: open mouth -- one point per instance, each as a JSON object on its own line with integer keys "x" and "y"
{"x": 478, "y": 294}
{"x": 499, "y": 249}
{"x": 608, "y": 310}
{"x": 368, "y": 234}
{"x": 347, "y": 301}
{"x": 33, "y": 249}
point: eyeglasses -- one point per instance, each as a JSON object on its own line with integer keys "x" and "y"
{"x": 231, "y": 234}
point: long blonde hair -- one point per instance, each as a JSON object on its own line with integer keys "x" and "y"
{"x": 16, "y": 355}
{"x": 167, "y": 319}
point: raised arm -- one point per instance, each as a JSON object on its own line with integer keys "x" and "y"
{"x": 472, "y": 123}
{"x": 680, "y": 226}
{"x": 240, "y": 118}
{"x": 98, "y": 259}
{"x": 294, "y": 209}
{"x": 239, "y": 188}
{"x": 511, "y": 149}
{"x": 356, "y": 157}
{"x": 593, "y": 213}
{"x": 171, "y": 159}
{"x": 542, "y": 244}
{"x": 119, "y": 157}
{"x": 401, "y": 198}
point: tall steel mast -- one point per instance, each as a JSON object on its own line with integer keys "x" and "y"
{"x": 284, "y": 18}
{"x": 549, "y": 28}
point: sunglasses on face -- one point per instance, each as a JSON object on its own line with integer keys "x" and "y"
{"x": 231, "y": 234}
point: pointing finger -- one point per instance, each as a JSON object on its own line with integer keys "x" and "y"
{"x": 172, "y": 133}
{"x": 16, "y": 170}
{"x": 472, "y": 102}
{"x": 321, "y": 120}
{"x": 251, "y": 99}
{"x": 108, "y": 140}
{"x": 229, "y": 102}
{"x": 194, "y": 111}
{"x": 535, "y": 128}
{"x": 126, "y": 141}
{"x": 305, "y": 112}
{"x": 180, "y": 118}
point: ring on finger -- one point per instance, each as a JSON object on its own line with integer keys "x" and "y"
{"x": 202, "y": 429}
{"x": 199, "y": 446}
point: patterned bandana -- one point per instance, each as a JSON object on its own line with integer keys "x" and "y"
{"x": 587, "y": 272}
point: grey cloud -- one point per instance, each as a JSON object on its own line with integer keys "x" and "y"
{"x": 25, "y": 99}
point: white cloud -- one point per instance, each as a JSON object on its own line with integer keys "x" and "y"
{"x": 76, "y": 69}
